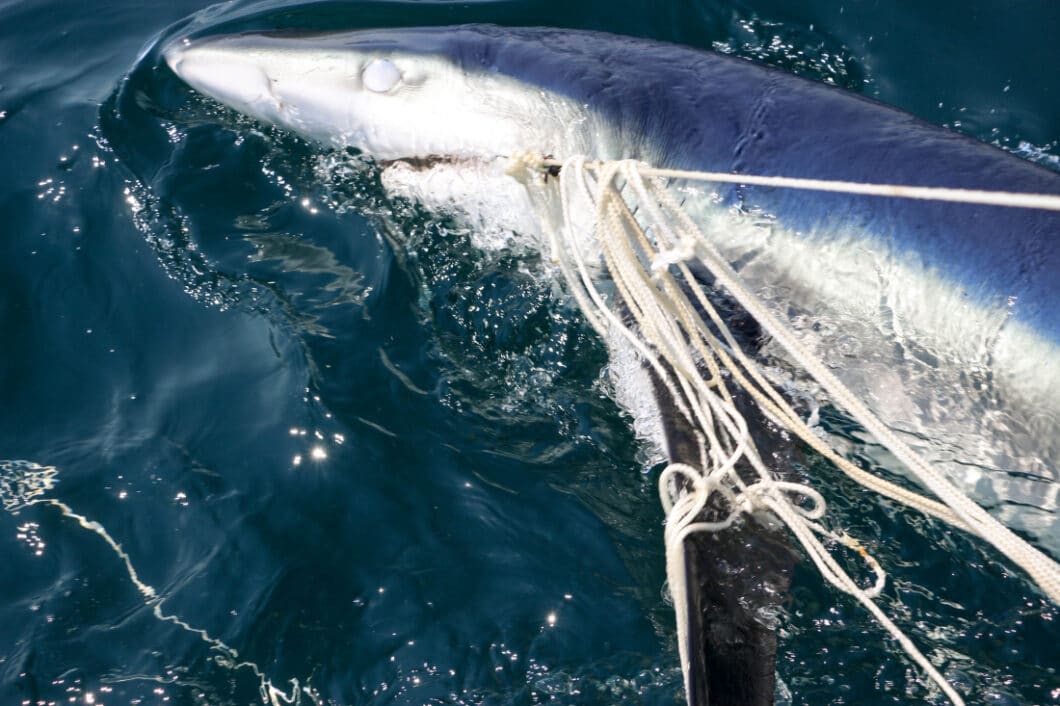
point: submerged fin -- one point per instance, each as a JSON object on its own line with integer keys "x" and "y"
{"x": 737, "y": 580}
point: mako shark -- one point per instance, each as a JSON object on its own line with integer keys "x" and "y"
{"x": 944, "y": 318}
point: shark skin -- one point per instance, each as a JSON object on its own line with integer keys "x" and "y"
{"x": 951, "y": 307}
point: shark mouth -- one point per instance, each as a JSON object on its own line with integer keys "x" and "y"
{"x": 432, "y": 161}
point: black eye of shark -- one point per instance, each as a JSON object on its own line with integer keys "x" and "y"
{"x": 380, "y": 75}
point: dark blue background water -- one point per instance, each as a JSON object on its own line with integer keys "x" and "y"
{"x": 377, "y": 462}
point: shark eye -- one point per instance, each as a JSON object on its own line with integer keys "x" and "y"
{"x": 380, "y": 75}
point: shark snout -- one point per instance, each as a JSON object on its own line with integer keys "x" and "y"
{"x": 223, "y": 73}
{"x": 173, "y": 53}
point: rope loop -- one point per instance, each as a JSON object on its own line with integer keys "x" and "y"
{"x": 645, "y": 242}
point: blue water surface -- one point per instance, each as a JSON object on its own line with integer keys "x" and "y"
{"x": 357, "y": 460}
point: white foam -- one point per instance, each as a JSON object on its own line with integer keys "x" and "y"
{"x": 633, "y": 390}
{"x": 494, "y": 207}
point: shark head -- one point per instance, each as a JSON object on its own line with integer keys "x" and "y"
{"x": 441, "y": 109}
{"x": 392, "y": 94}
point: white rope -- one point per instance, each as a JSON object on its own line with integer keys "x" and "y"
{"x": 1012, "y": 199}
{"x": 1044, "y": 571}
{"x": 674, "y": 340}
{"x": 961, "y": 510}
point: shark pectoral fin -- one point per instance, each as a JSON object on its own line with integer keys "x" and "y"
{"x": 737, "y": 581}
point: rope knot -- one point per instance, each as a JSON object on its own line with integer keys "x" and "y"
{"x": 683, "y": 252}
{"x": 522, "y": 163}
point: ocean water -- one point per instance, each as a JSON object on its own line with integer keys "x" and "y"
{"x": 309, "y": 442}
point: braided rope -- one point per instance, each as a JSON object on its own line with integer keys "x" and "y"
{"x": 671, "y": 336}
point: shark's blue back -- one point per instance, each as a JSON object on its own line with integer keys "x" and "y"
{"x": 683, "y": 108}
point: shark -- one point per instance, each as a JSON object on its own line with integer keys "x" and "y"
{"x": 942, "y": 317}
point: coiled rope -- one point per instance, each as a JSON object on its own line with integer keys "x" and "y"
{"x": 652, "y": 277}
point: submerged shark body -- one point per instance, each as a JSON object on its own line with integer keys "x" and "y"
{"x": 942, "y": 317}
